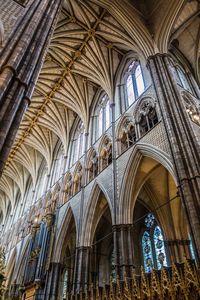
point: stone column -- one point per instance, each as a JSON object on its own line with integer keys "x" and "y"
{"x": 184, "y": 147}
{"x": 124, "y": 249}
{"x": 20, "y": 63}
{"x": 53, "y": 281}
{"x": 82, "y": 269}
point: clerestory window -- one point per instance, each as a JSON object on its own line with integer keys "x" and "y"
{"x": 135, "y": 85}
{"x": 104, "y": 118}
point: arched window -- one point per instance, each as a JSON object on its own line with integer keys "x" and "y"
{"x": 65, "y": 282}
{"x": 147, "y": 252}
{"x": 103, "y": 115}
{"x": 134, "y": 83}
{"x": 78, "y": 143}
{"x": 192, "y": 252}
{"x": 182, "y": 79}
{"x": 153, "y": 248}
{"x": 161, "y": 259}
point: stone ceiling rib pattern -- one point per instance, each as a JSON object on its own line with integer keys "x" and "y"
{"x": 90, "y": 40}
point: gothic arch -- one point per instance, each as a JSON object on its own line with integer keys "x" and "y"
{"x": 162, "y": 36}
{"x": 124, "y": 65}
{"x": 126, "y": 116}
{"x": 89, "y": 223}
{"x": 140, "y": 151}
{"x": 126, "y": 122}
{"x": 138, "y": 108}
{"x": 62, "y": 233}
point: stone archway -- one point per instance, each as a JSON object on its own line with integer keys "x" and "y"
{"x": 151, "y": 184}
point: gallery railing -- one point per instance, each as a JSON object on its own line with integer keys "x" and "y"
{"x": 180, "y": 281}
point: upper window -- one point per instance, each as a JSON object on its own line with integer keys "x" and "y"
{"x": 153, "y": 248}
{"x": 103, "y": 115}
{"x": 134, "y": 82}
{"x": 182, "y": 79}
{"x": 78, "y": 143}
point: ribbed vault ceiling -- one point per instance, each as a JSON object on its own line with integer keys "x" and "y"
{"x": 89, "y": 42}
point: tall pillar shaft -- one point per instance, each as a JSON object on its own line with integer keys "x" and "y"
{"x": 82, "y": 269}
{"x": 52, "y": 283}
{"x": 20, "y": 63}
{"x": 185, "y": 149}
{"x": 124, "y": 249}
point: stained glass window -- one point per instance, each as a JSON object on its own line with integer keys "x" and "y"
{"x": 147, "y": 252}
{"x": 65, "y": 279}
{"x": 159, "y": 248}
{"x": 153, "y": 248}
{"x": 149, "y": 220}
{"x": 112, "y": 265}
{"x": 192, "y": 249}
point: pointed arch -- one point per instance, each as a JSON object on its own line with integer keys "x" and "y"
{"x": 62, "y": 233}
{"x": 140, "y": 151}
{"x": 89, "y": 223}
{"x": 162, "y": 36}
{"x": 126, "y": 133}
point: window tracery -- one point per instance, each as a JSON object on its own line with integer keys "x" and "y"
{"x": 153, "y": 248}
{"x": 146, "y": 116}
{"x": 135, "y": 85}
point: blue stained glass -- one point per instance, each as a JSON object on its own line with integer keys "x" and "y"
{"x": 147, "y": 252}
{"x": 159, "y": 248}
{"x": 192, "y": 249}
{"x": 65, "y": 278}
{"x": 149, "y": 220}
